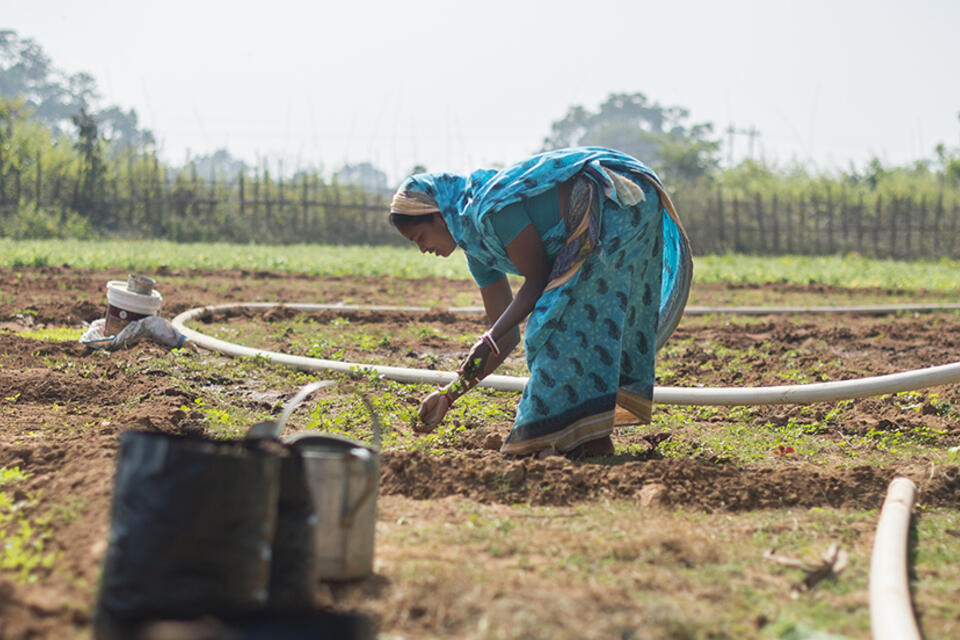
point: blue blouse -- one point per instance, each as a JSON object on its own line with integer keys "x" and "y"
{"x": 541, "y": 210}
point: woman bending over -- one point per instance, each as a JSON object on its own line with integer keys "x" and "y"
{"x": 606, "y": 271}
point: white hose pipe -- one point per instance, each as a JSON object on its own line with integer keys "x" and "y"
{"x": 878, "y": 309}
{"x": 872, "y": 309}
{"x": 716, "y": 396}
{"x": 891, "y": 614}
{"x": 399, "y": 374}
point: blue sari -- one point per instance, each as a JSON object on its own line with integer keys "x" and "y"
{"x": 617, "y": 293}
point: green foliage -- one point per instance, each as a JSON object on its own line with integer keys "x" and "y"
{"x": 646, "y": 130}
{"x": 53, "y": 334}
{"x": 23, "y": 534}
{"x": 921, "y": 181}
{"x": 34, "y": 223}
{"x": 10, "y": 475}
{"x": 840, "y": 271}
{"x": 90, "y": 146}
{"x": 407, "y": 262}
{"x": 54, "y": 97}
{"x": 148, "y": 255}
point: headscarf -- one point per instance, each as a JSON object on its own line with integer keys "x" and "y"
{"x": 413, "y": 203}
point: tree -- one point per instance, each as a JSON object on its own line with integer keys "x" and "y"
{"x": 219, "y": 165}
{"x": 363, "y": 175}
{"x": 89, "y": 144}
{"x": 646, "y": 130}
{"x": 55, "y": 97}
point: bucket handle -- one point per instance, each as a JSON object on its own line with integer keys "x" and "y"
{"x": 370, "y": 471}
{"x": 295, "y": 401}
{"x": 272, "y": 430}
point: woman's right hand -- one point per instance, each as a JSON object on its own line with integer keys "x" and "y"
{"x": 432, "y": 410}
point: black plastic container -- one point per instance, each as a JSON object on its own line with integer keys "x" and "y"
{"x": 191, "y": 528}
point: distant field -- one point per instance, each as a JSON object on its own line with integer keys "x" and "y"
{"x": 843, "y": 271}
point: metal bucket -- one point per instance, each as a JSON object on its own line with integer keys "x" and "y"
{"x": 329, "y": 493}
{"x": 343, "y": 477}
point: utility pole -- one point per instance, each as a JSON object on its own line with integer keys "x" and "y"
{"x": 753, "y": 133}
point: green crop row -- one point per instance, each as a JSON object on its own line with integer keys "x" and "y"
{"x": 146, "y": 255}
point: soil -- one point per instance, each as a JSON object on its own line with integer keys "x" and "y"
{"x": 64, "y": 406}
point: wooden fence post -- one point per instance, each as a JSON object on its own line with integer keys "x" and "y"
{"x": 255, "y": 224}
{"x": 937, "y": 224}
{"x": 268, "y": 218}
{"x": 3, "y": 179}
{"x": 737, "y": 246}
{"x": 788, "y": 226}
{"x": 878, "y": 209}
{"x": 156, "y": 213}
{"x": 243, "y": 213}
{"x": 39, "y": 194}
{"x": 815, "y": 210}
{"x": 831, "y": 229}
{"x": 195, "y": 189}
{"x": 132, "y": 191}
{"x": 894, "y": 207}
{"x": 762, "y": 244}
{"x": 859, "y": 223}
{"x": 802, "y": 228}
{"x": 213, "y": 205}
{"x": 721, "y": 224}
{"x": 158, "y": 184}
{"x": 953, "y": 231}
{"x": 844, "y": 221}
{"x": 775, "y": 224}
{"x": 921, "y": 229}
{"x": 281, "y": 220}
{"x": 304, "y": 196}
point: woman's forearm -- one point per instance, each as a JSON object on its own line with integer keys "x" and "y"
{"x": 518, "y": 309}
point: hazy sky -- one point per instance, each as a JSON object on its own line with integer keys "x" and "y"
{"x": 457, "y": 85}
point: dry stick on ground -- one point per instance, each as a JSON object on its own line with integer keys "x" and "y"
{"x": 833, "y": 561}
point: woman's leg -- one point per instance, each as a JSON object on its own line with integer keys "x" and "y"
{"x": 575, "y": 370}
{"x": 638, "y": 345}
{"x": 574, "y": 374}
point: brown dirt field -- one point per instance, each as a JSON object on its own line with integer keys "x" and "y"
{"x": 61, "y": 425}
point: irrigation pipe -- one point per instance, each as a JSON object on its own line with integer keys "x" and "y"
{"x": 866, "y": 309}
{"x": 717, "y": 396}
{"x": 891, "y": 615}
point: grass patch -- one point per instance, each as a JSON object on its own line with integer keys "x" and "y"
{"x": 674, "y": 574}
{"x": 840, "y": 271}
{"x": 53, "y": 334}
{"x": 147, "y": 255}
{"x": 23, "y": 532}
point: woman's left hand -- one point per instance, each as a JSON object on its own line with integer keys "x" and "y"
{"x": 475, "y": 363}
{"x": 432, "y": 410}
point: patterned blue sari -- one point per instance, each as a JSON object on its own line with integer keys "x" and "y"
{"x": 619, "y": 291}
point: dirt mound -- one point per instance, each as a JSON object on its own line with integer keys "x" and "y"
{"x": 555, "y": 480}
{"x": 283, "y": 312}
{"x": 43, "y": 385}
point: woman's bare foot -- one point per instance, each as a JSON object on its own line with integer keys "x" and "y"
{"x": 593, "y": 448}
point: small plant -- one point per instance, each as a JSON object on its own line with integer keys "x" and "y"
{"x": 22, "y": 535}
{"x": 318, "y": 349}
{"x": 9, "y": 475}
